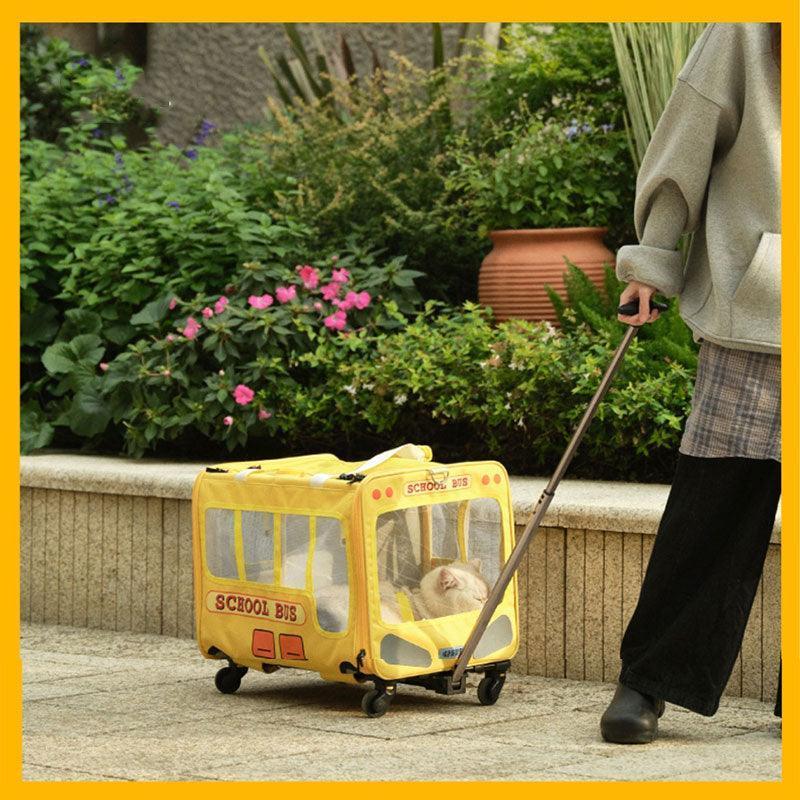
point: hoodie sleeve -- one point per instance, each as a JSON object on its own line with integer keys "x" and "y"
{"x": 671, "y": 186}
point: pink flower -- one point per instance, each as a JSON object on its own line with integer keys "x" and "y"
{"x": 330, "y": 290}
{"x": 227, "y": 421}
{"x": 340, "y": 275}
{"x": 264, "y": 414}
{"x": 260, "y": 301}
{"x": 173, "y": 303}
{"x": 103, "y": 366}
{"x": 243, "y": 394}
{"x": 286, "y": 293}
{"x": 349, "y": 301}
{"x": 170, "y": 337}
{"x": 317, "y": 305}
{"x": 207, "y": 312}
{"x": 309, "y": 276}
{"x": 362, "y": 300}
{"x": 336, "y": 321}
{"x": 334, "y": 258}
{"x": 192, "y": 328}
{"x": 219, "y": 306}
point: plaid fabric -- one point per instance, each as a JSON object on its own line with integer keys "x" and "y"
{"x": 736, "y": 406}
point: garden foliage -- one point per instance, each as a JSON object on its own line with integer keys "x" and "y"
{"x": 262, "y": 291}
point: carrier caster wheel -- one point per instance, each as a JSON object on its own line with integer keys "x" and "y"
{"x": 489, "y": 689}
{"x": 375, "y": 703}
{"x": 229, "y": 679}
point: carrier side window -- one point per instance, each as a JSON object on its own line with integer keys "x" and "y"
{"x": 295, "y": 541}
{"x": 329, "y": 575}
{"x": 219, "y": 541}
{"x": 258, "y": 545}
{"x": 484, "y": 535}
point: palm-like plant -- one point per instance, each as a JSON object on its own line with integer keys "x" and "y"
{"x": 304, "y": 78}
{"x": 650, "y": 56}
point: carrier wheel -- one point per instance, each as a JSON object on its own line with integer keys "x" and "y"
{"x": 229, "y": 679}
{"x": 375, "y": 703}
{"x": 489, "y": 689}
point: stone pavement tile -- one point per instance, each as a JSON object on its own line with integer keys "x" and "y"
{"x": 425, "y": 757}
{"x": 96, "y": 642}
{"x": 758, "y": 751}
{"x": 55, "y": 718}
{"x": 337, "y": 708}
{"x": 180, "y": 750}
{"x": 36, "y": 772}
{"x": 564, "y": 731}
{"x": 196, "y": 698}
{"x": 153, "y": 675}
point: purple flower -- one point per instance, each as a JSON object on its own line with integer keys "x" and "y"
{"x": 206, "y": 129}
{"x": 191, "y": 154}
{"x": 110, "y": 199}
{"x": 120, "y": 76}
{"x": 571, "y": 132}
{"x": 173, "y": 204}
{"x": 586, "y": 127}
{"x": 607, "y": 127}
{"x": 118, "y": 159}
{"x": 97, "y": 133}
{"x": 81, "y": 62}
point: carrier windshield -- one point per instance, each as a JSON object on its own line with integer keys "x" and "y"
{"x": 438, "y": 559}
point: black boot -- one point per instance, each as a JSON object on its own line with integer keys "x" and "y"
{"x": 631, "y": 717}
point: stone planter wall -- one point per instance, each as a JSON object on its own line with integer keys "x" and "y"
{"x": 106, "y": 543}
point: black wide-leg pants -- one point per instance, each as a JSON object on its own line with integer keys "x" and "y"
{"x": 685, "y": 633}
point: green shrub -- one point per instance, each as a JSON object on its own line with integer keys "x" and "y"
{"x": 516, "y": 392}
{"x": 177, "y": 382}
{"x": 379, "y": 173}
{"x": 541, "y": 174}
{"x": 667, "y": 339}
{"x": 447, "y": 377}
{"x": 74, "y": 99}
{"x": 547, "y": 69}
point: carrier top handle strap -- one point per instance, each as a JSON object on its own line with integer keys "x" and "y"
{"x": 510, "y": 567}
{"x": 409, "y": 451}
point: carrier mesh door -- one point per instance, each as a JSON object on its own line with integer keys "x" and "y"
{"x": 459, "y": 542}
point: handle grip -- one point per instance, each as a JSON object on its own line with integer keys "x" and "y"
{"x": 631, "y": 308}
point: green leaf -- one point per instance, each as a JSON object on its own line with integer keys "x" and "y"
{"x": 89, "y": 413}
{"x": 153, "y": 312}
{"x": 35, "y": 431}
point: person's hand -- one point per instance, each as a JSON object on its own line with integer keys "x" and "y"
{"x": 643, "y": 293}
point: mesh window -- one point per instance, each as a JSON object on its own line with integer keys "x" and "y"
{"x": 329, "y": 575}
{"x": 258, "y": 543}
{"x": 484, "y": 537}
{"x": 220, "y": 549}
{"x": 416, "y": 548}
{"x": 295, "y": 540}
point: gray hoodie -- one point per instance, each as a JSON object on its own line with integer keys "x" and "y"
{"x": 713, "y": 166}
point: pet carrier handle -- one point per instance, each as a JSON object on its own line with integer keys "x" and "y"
{"x": 631, "y": 308}
{"x": 420, "y": 453}
{"x": 510, "y": 567}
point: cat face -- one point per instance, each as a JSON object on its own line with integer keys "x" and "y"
{"x": 454, "y": 588}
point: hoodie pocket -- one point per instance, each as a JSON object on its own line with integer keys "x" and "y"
{"x": 756, "y": 303}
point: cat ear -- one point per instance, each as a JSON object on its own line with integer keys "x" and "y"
{"x": 475, "y": 563}
{"x": 447, "y": 579}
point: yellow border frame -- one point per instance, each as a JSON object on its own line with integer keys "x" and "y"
{"x": 785, "y": 11}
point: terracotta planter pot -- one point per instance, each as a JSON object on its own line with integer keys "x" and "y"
{"x": 514, "y": 273}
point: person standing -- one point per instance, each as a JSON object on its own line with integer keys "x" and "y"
{"x": 713, "y": 167}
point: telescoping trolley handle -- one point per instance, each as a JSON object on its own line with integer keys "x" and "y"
{"x": 510, "y": 567}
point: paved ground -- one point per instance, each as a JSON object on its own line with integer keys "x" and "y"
{"x": 114, "y": 706}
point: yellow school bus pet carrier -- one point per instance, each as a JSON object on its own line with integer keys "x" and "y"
{"x": 362, "y": 572}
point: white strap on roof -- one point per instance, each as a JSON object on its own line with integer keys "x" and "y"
{"x": 240, "y": 476}
{"x": 320, "y": 477}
